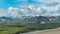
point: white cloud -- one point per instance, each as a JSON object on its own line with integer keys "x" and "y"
{"x": 12, "y": 11}
{"x": 31, "y": 10}
{"x": 2, "y": 12}
{"x": 52, "y": 11}
{"x": 52, "y": 4}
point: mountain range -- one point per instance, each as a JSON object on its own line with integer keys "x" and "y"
{"x": 30, "y": 20}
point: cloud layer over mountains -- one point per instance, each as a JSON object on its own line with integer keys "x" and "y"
{"x": 50, "y": 9}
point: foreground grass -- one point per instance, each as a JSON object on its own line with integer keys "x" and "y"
{"x": 16, "y": 29}
{"x": 10, "y": 30}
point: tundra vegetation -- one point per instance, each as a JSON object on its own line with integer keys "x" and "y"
{"x": 23, "y": 28}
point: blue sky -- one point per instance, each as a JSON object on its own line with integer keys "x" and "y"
{"x": 18, "y": 3}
